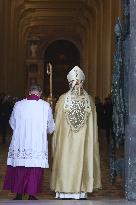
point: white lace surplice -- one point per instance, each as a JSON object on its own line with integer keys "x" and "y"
{"x": 30, "y": 120}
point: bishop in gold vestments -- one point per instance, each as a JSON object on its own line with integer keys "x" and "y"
{"x": 75, "y": 148}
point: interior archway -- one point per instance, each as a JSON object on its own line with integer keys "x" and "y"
{"x": 63, "y": 55}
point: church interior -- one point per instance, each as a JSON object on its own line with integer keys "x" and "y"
{"x": 62, "y": 33}
{"x": 67, "y": 33}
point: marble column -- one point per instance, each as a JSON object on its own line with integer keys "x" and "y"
{"x": 130, "y": 69}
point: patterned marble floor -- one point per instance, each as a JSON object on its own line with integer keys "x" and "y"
{"x": 108, "y": 191}
{"x": 70, "y": 202}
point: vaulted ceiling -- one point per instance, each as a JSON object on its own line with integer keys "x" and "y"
{"x": 87, "y": 23}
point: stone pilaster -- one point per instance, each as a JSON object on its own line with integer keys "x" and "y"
{"x": 130, "y": 138}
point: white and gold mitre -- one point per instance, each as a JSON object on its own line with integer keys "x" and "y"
{"x": 76, "y": 74}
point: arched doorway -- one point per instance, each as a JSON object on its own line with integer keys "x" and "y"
{"x": 63, "y": 55}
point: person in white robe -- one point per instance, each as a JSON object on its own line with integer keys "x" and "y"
{"x": 75, "y": 147}
{"x": 31, "y": 120}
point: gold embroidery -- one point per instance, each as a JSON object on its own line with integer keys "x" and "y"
{"x": 77, "y": 115}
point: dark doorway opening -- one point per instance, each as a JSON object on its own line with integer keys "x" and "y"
{"x": 63, "y": 55}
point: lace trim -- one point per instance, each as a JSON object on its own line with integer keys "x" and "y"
{"x": 80, "y": 195}
{"x": 27, "y": 154}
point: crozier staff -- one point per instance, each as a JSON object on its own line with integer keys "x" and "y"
{"x": 49, "y": 72}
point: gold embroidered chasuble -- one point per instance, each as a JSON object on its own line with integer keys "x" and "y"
{"x": 75, "y": 149}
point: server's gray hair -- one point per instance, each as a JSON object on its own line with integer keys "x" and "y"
{"x": 35, "y": 88}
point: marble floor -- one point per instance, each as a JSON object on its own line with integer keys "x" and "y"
{"x": 101, "y": 201}
{"x": 105, "y": 196}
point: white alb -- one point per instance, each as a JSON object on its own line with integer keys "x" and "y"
{"x": 31, "y": 121}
